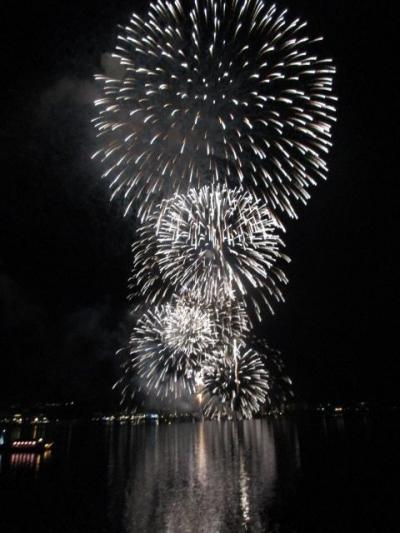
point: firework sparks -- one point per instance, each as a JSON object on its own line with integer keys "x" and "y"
{"x": 228, "y": 315}
{"x": 280, "y": 384}
{"x": 216, "y": 91}
{"x": 126, "y": 384}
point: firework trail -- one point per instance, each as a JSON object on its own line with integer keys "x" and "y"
{"x": 216, "y": 91}
{"x": 210, "y": 241}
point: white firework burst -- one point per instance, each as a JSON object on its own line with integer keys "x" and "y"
{"x": 167, "y": 347}
{"x": 188, "y": 328}
{"x": 235, "y": 383}
{"x": 211, "y": 241}
{"x": 216, "y": 91}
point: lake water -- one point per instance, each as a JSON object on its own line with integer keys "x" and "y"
{"x": 292, "y": 474}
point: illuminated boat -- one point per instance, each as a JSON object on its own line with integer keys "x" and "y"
{"x": 23, "y": 446}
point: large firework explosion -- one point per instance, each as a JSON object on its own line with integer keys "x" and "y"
{"x": 216, "y": 91}
{"x": 218, "y": 121}
{"x": 206, "y": 240}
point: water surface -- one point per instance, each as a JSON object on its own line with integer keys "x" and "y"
{"x": 307, "y": 474}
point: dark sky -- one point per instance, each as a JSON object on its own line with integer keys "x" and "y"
{"x": 65, "y": 251}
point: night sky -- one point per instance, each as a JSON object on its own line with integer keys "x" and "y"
{"x": 65, "y": 250}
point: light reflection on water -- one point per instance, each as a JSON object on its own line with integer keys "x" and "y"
{"x": 305, "y": 474}
{"x": 23, "y": 459}
{"x": 180, "y": 475}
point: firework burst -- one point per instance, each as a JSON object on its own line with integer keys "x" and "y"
{"x": 167, "y": 347}
{"x": 216, "y": 91}
{"x": 235, "y": 383}
{"x": 217, "y": 118}
{"x": 210, "y": 241}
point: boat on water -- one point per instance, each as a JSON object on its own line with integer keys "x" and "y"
{"x": 23, "y": 446}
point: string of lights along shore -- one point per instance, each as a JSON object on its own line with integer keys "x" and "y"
{"x": 214, "y": 124}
